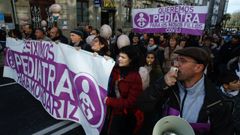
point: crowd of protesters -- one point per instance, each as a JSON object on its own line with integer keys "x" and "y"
{"x": 142, "y": 86}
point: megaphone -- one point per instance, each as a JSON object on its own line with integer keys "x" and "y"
{"x": 172, "y": 125}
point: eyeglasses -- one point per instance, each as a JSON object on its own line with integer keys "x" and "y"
{"x": 181, "y": 60}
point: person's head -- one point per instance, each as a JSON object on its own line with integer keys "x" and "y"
{"x": 151, "y": 58}
{"x": 27, "y": 29}
{"x": 119, "y": 32}
{"x": 106, "y": 31}
{"x": 235, "y": 40}
{"x": 135, "y": 39}
{"x": 89, "y": 39}
{"x": 207, "y": 41}
{"x": 229, "y": 80}
{"x": 54, "y": 32}
{"x": 15, "y": 34}
{"x": 129, "y": 57}
{"x": 39, "y": 33}
{"x": 183, "y": 42}
{"x": 76, "y": 36}
{"x": 145, "y": 36}
{"x": 122, "y": 41}
{"x": 88, "y": 28}
{"x": 151, "y": 41}
{"x": 99, "y": 44}
{"x": 95, "y": 32}
{"x": 173, "y": 42}
{"x": 191, "y": 62}
{"x": 162, "y": 38}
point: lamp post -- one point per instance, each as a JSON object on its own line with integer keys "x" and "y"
{"x": 55, "y": 10}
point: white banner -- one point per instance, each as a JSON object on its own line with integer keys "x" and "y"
{"x": 70, "y": 84}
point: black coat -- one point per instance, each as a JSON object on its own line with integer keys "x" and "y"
{"x": 214, "y": 107}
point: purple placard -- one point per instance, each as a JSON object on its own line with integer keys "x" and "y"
{"x": 172, "y": 19}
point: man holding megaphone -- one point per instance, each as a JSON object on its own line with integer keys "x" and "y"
{"x": 186, "y": 92}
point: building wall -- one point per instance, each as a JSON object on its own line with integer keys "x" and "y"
{"x": 6, "y": 10}
{"x": 5, "y": 6}
{"x": 68, "y": 20}
{"x": 22, "y": 10}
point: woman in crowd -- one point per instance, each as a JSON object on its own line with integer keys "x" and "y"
{"x": 125, "y": 87}
{"x": 153, "y": 47}
{"x": 169, "y": 54}
{"x": 153, "y": 67}
{"x": 155, "y": 72}
{"x": 99, "y": 45}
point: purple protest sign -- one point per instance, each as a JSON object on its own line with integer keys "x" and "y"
{"x": 172, "y": 19}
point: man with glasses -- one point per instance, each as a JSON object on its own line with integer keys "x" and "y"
{"x": 187, "y": 93}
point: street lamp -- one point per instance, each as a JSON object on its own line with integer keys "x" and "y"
{"x": 55, "y": 9}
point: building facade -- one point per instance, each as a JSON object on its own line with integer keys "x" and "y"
{"x": 78, "y": 13}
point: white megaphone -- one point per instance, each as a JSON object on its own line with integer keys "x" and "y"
{"x": 172, "y": 125}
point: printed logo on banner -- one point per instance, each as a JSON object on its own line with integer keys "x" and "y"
{"x": 141, "y": 19}
{"x": 10, "y": 59}
{"x": 89, "y": 98}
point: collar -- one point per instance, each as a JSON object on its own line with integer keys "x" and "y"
{"x": 197, "y": 88}
{"x": 238, "y": 69}
{"x": 229, "y": 93}
{"x": 151, "y": 48}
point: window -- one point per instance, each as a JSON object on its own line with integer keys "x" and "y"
{"x": 82, "y": 12}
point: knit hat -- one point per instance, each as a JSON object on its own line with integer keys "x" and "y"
{"x": 105, "y": 31}
{"x": 122, "y": 41}
{"x": 78, "y": 32}
{"x": 198, "y": 54}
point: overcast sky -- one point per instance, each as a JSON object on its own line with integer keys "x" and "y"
{"x": 233, "y": 6}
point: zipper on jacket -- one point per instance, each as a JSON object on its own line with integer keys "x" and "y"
{"x": 183, "y": 101}
{"x": 213, "y": 104}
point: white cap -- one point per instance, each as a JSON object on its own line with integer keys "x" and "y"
{"x": 122, "y": 41}
{"x": 90, "y": 38}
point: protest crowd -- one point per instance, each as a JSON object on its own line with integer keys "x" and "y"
{"x": 143, "y": 88}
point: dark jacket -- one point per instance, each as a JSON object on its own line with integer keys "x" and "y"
{"x": 61, "y": 39}
{"x": 214, "y": 109}
{"x": 236, "y": 109}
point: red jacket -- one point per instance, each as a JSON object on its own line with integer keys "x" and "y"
{"x": 129, "y": 87}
